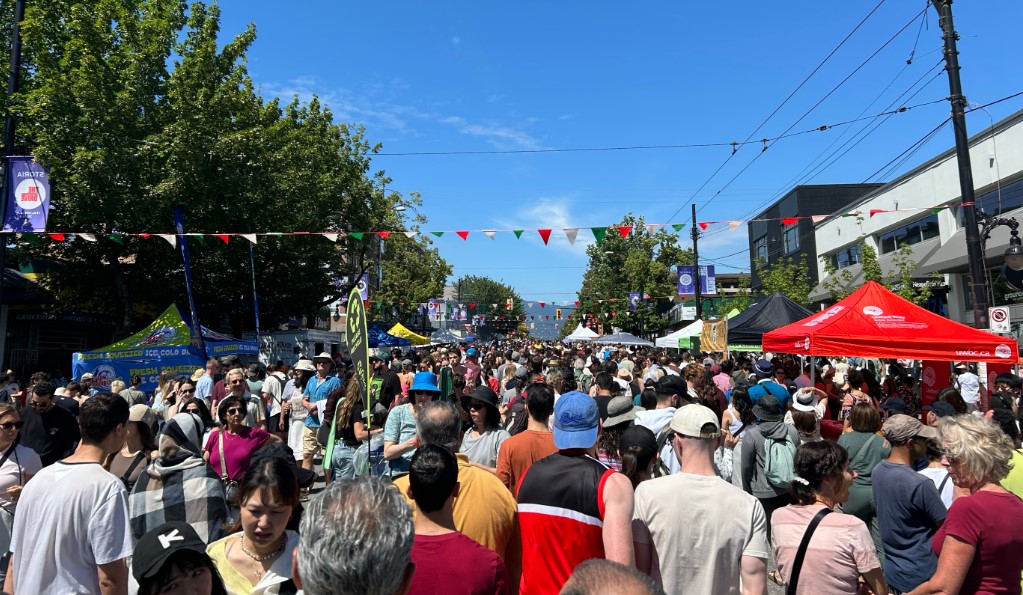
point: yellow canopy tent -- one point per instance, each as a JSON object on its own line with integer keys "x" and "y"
{"x": 399, "y": 330}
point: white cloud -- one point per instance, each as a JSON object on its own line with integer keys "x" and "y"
{"x": 554, "y": 213}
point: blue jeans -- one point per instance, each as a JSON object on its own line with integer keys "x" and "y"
{"x": 341, "y": 461}
{"x": 398, "y": 467}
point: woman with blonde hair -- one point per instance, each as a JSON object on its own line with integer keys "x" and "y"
{"x": 978, "y": 546}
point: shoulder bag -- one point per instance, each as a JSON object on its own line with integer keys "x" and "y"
{"x": 230, "y": 485}
{"x": 797, "y": 564}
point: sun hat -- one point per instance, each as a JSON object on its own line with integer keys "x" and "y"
{"x": 484, "y": 395}
{"x": 424, "y": 381}
{"x": 305, "y": 365}
{"x": 692, "y": 419}
{"x": 324, "y": 356}
{"x": 157, "y": 546}
{"x": 768, "y": 408}
{"x": 763, "y": 369}
{"x": 59, "y": 392}
{"x": 576, "y": 420}
{"x": 900, "y": 428}
{"x": 625, "y": 374}
{"x": 620, "y": 410}
{"x": 805, "y": 400}
{"x": 199, "y": 373}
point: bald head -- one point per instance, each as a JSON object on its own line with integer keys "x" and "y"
{"x": 597, "y": 576}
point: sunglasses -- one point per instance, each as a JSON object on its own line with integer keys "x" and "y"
{"x": 12, "y": 425}
{"x": 187, "y": 390}
{"x": 234, "y": 411}
{"x": 237, "y": 381}
{"x": 38, "y": 405}
{"x": 948, "y": 455}
{"x": 476, "y": 405}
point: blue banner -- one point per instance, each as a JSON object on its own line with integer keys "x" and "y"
{"x": 28, "y": 195}
{"x": 634, "y": 300}
{"x": 687, "y": 280}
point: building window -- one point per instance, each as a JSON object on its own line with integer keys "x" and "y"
{"x": 760, "y": 249}
{"x": 907, "y": 235}
{"x": 997, "y": 201}
{"x": 846, "y": 257}
{"x": 791, "y": 239}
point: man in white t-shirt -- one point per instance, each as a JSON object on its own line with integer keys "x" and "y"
{"x": 273, "y": 394}
{"x": 672, "y": 540}
{"x": 968, "y": 384}
{"x": 71, "y": 532}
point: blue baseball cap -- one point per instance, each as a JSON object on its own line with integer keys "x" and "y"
{"x": 424, "y": 381}
{"x": 576, "y": 420}
{"x": 470, "y": 352}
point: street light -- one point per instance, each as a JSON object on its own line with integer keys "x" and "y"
{"x": 1013, "y": 255}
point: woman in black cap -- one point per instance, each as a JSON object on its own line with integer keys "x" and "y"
{"x": 172, "y": 559}
{"x": 481, "y": 443}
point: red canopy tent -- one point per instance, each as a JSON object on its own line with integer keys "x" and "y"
{"x": 874, "y": 322}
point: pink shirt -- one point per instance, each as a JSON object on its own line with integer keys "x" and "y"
{"x": 238, "y": 449}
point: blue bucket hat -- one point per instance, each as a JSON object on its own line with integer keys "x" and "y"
{"x": 576, "y": 420}
{"x": 424, "y": 381}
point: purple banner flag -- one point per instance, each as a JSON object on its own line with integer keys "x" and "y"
{"x": 28, "y": 195}
{"x": 634, "y": 299}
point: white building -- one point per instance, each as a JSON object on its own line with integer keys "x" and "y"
{"x": 937, "y": 237}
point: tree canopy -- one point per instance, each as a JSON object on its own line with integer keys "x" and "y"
{"x": 484, "y": 293}
{"x": 138, "y": 107}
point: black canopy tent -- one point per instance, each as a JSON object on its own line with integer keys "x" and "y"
{"x": 775, "y": 311}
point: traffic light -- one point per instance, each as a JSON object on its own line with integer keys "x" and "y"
{"x": 557, "y": 314}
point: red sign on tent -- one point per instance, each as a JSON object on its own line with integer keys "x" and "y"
{"x": 874, "y": 322}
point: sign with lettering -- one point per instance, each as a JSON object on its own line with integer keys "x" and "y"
{"x": 28, "y": 195}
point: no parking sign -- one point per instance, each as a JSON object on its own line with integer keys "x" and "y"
{"x": 998, "y": 318}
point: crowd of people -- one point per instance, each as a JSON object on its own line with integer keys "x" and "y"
{"x": 517, "y": 467}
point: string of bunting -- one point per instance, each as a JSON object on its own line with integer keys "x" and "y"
{"x": 571, "y": 233}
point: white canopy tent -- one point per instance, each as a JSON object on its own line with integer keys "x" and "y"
{"x": 581, "y": 333}
{"x": 671, "y": 340}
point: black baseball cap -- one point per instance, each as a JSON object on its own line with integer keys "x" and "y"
{"x": 155, "y": 547}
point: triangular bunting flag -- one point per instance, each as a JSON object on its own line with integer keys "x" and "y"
{"x": 624, "y": 230}
{"x": 678, "y": 226}
{"x": 57, "y": 236}
{"x": 733, "y": 224}
{"x": 384, "y": 234}
{"x": 437, "y": 233}
{"x": 651, "y": 228}
{"x": 876, "y": 211}
{"x": 331, "y": 236}
{"x": 851, "y": 214}
{"x": 462, "y": 234}
{"x": 409, "y": 234}
{"x": 599, "y": 233}
{"x": 541, "y": 305}
{"x": 518, "y": 233}
{"x": 223, "y": 237}
{"x": 250, "y": 237}
{"x": 116, "y": 238}
{"x": 936, "y": 210}
{"x": 545, "y": 234}
{"x": 88, "y": 237}
{"x": 356, "y": 234}
{"x": 530, "y": 304}
{"x": 489, "y": 233}
{"x": 789, "y": 220}
{"x": 571, "y": 234}
{"x": 170, "y": 238}
{"x": 818, "y": 218}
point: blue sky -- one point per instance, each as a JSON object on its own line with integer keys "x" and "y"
{"x": 484, "y": 76}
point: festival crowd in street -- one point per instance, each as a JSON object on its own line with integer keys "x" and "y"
{"x": 516, "y": 467}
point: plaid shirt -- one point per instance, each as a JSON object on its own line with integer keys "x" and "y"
{"x": 188, "y": 491}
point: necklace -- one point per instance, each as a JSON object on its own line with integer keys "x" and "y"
{"x": 277, "y": 551}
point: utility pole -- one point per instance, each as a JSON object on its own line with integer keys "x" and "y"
{"x": 13, "y": 76}
{"x": 974, "y": 248}
{"x": 696, "y": 265}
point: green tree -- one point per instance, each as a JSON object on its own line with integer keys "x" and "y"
{"x": 789, "y": 276}
{"x": 741, "y": 300}
{"x": 900, "y": 279}
{"x": 639, "y": 262}
{"x": 485, "y": 292}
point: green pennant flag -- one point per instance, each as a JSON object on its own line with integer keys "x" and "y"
{"x": 678, "y": 226}
{"x": 356, "y": 234}
{"x": 936, "y": 211}
{"x": 518, "y": 233}
{"x": 437, "y": 233}
{"x": 118, "y": 239}
{"x": 599, "y": 233}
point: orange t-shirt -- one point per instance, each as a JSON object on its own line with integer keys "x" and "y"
{"x": 519, "y": 452}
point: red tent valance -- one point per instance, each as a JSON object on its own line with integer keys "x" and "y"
{"x": 874, "y": 322}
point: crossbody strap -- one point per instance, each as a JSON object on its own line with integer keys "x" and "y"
{"x": 223, "y": 461}
{"x": 135, "y": 463}
{"x": 941, "y": 488}
{"x": 797, "y": 564}
{"x": 862, "y": 448}
{"x": 7, "y": 454}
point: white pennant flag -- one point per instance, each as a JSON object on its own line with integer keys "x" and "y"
{"x": 571, "y": 234}
{"x": 489, "y": 233}
{"x": 331, "y": 236}
{"x": 409, "y": 234}
{"x": 249, "y": 236}
{"x": 733, "y": 224}
{"x": 651, "y": 228}
{"x": 88, "y": 237}
{"x": 818, "y": 218}
{"x": 171, "y": 238}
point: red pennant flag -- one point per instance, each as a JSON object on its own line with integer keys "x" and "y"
{"x": 545, "y": 234}
{"x": 624, "y": 229}
{"x": 462, "y": 234}
{"x": 876, "y": 211}
{"x": 384, "y": 234}
{"x": 546, "y": 317}
{"x": 144, "y": 235}
{"x": 789, "y": 220}
{"x": 541, "y": 305}
{"x": 577, "y": 303}
{"x": 224, "y": 237}
{"x": 472, "y": 306}
{"x": 705, "y": 224}
{"x": 614, "y": 313}
{"x": 56, "y": 236}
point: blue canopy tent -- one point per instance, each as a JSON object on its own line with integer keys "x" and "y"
{"x": 380, "y": 338}
{"x": 166, "y": 345}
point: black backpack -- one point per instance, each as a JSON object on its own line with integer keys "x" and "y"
{"x": 665, "y": 436}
